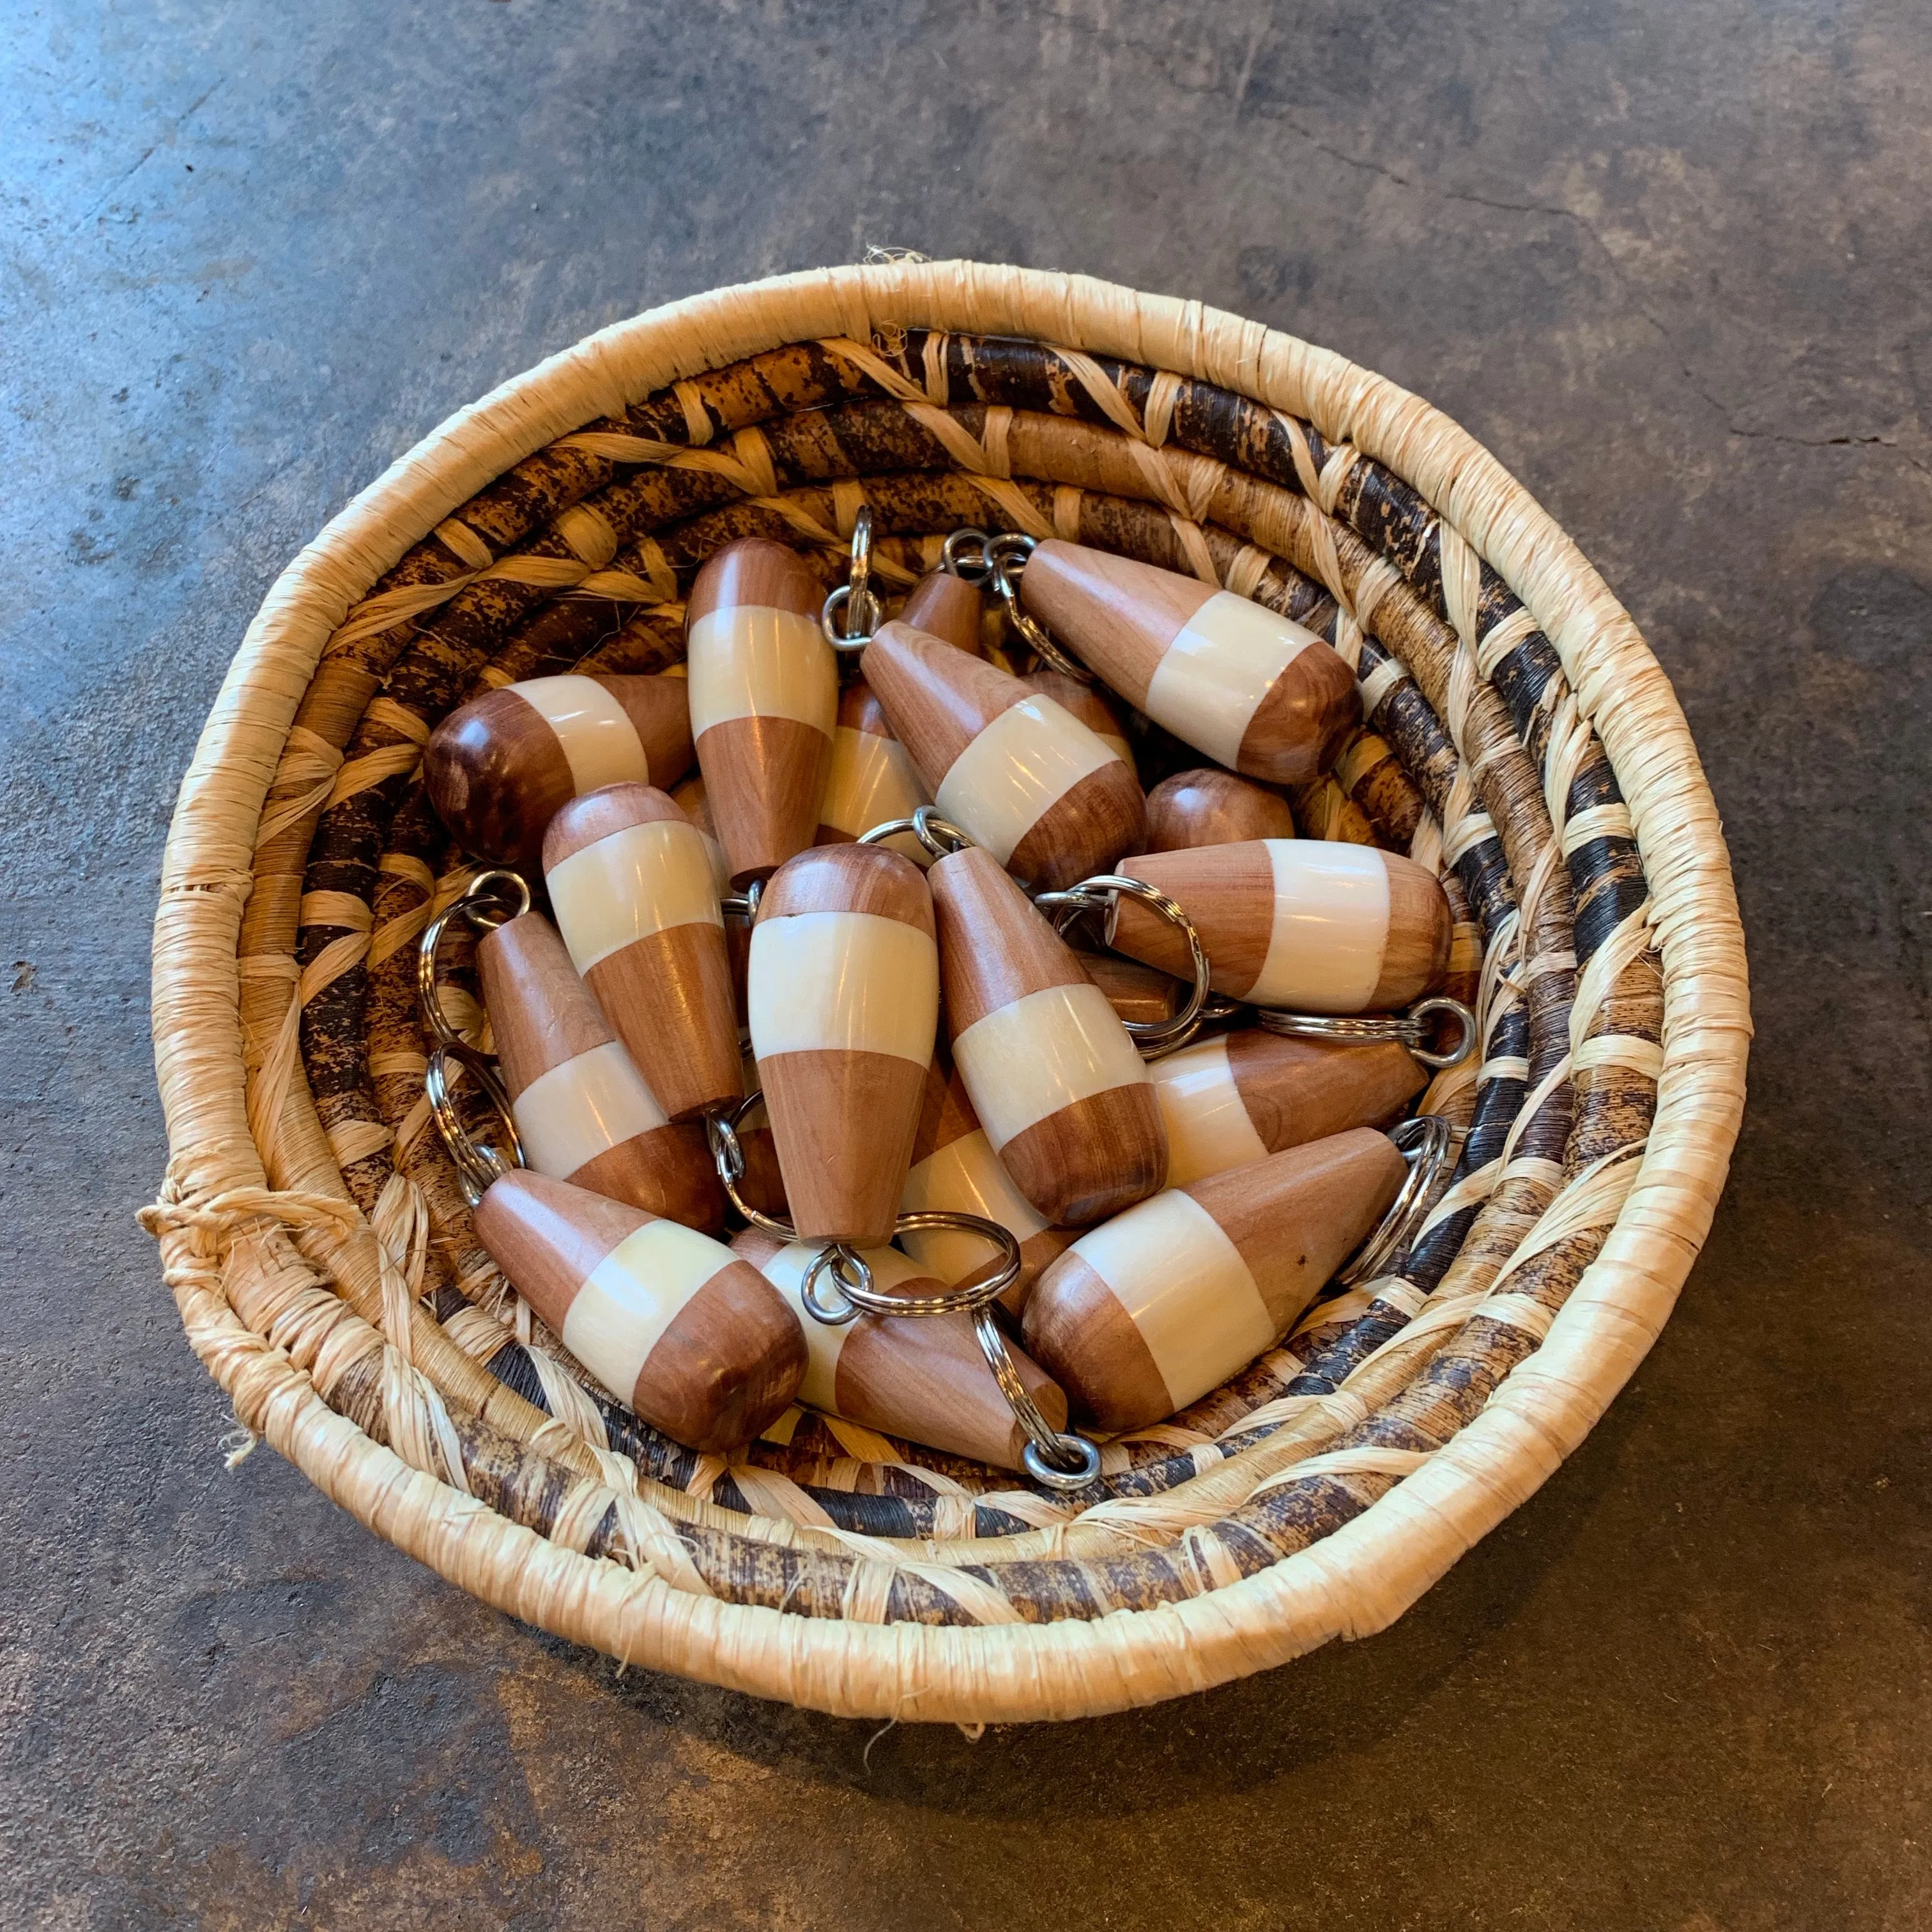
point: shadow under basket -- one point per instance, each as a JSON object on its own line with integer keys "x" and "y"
{"x": 1520, "y": 738}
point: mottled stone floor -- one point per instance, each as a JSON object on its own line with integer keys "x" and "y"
{"x": 1668, "y": 262}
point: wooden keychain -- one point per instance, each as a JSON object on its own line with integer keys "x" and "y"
{"x": 686, "y": 1333}
{"x": 1258, "y": 692}
{"x": 500, "y": 768}
{"x": 584, "y": 1113}
{"x": 1147, "y": 1312}
{"x": 1210, "y": 807}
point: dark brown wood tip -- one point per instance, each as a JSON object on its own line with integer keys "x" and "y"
{"x": 849, "y": 878}
{"x": 755, "y": 570}
{"x": 596, "y": 815}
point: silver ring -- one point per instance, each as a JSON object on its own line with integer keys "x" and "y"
{"x": 834, "y": 1259}
{"x": 1411, "y": 1028}
{"x": 856, "y": 597}
{"x": 1427, "y": 1145}
{"x": 1006, "y": 556}
{"x": 475, "y": 906}
{"x": 743, "y": 905}
{"x": 477, "y": 1164}
{"x": 958, "y": 557}
{"x": 727, "y": 1153}
{"x": 1101, "y": 894}
{"x": 939, "y": 836}
{"x": 1056, "y": 1462}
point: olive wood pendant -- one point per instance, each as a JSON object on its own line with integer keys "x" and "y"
{"x": 583, "y": 1112}
{"x": 764, "y": 701}
{"x": 1027, "y": 781}
{"x": 1256, "y": 692}
{"x": 1063, "y": 1095}
{"x": 678, "y": 1328}
{"x": 921, "y": 1378}
{"x": 1313, "y": 924}
{"x": 844, "y": 998}
{"x": 1146, "y": 1314}
{"x": 500, "y": 768}
{"x": 637, "y": 901}
{"x": 1232, "y": 1101}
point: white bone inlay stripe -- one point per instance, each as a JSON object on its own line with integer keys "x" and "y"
{"x": 635, "y": 1293}
{"x": 1045, "y": 1051}
{"x": 1331, "y": 916}
{"x": 1020, "y": 766}
{"x": 1186, "y": 1287}
{"x": 871, "y": 780}
{"x": 785, "y": 1271}
{"x": 643, "y": 880}
{"x": 851, "y": 981}
{"x": 583, "y": 1108}
{"x": 1208, "y": 1129}
{"x": 599, "y": 741}
{"x": 965, "y": 1176}
{"x": 753, "y": 660}
{"x": 1211, "y": 680}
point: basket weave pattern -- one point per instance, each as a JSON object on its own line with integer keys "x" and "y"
{"x": 1519, "y": 736}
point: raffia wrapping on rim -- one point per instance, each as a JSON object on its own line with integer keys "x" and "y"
{"x": 296, "y": 1236}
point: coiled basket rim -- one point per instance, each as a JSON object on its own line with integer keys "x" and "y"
{"x": 1353, "y": 1582}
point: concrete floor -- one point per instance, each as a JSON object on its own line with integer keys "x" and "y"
{"x": 1668, "y": 262}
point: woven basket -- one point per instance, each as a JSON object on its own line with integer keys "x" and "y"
{"x": 1520, "y": 737}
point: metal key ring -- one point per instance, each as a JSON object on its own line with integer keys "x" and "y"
{"x": 1428, "y": 1145}
{"x": 855, "y": 597}
{"x": 743, "y": 905}
{"x": 1101, "y": 893}
{"x": 939, "y": 836}
{"x": 865, "y": 1299}
{"x": 1064, "y": 1463}
{"x": 957, "y": 557}
{"x": 1411, "y": 1028}
{"x": 1006, "y": 556}
{"x": 727, "y": 1153}
{"x": 477, "y": 1163}
{"x": 475, "y": 905}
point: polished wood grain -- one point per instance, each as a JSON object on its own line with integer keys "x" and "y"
{"x": 1118, "y": 614}
{"x": 764, "y": 774}
{"x": 1228, "y": 891}
{"x": 1296, "y": 1091}
{"x": 1344, "y": 951}
{"x": 1301, "y": 726}
{"x": 1075, "y": 1323}
{"x": 945, "y": 606}
{"x": 1421, "y": 931}
{"x": 1122, "y": 618}
{"x": 668, "y": 993}
{"x": 725, "y": 1363}
{"x": 497, "y": 771}
{"x": 924, "y": 1378}
{"x": 843, "y": 1087}
{"x": 1205, "y": 1277}
{"x": 1051, "y": 830}
{"x": 1209, "y": 806}
{"x": 1104, "y": 1145}
{"x": 545, "y": 1022}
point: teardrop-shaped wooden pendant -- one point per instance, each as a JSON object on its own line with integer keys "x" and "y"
{"x": 1256, "y": 692}
{"x": 1237, "y": 1099}
{"x": 583, "y": 1112}
{"x": 954, "y": 1169}
{"x": 500, "y": 768}
{"x": 637, "y": 901}
{"x": 676, "y": 1326}
{"x": 843, "y": 996}
{"x": 1027, "y": 782}
{"x": 1146, "y": 1314}
{"x": 923, "y": 1378}
{"x": 1311, "y": 924}
{"x": 1209, "y": 807}
{"x": 764, "y": 701}
{"x": 1061, "y": 1092}
{"x": 1142, "y": 995}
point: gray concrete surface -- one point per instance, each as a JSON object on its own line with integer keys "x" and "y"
{"x": 1668, "y": 262}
